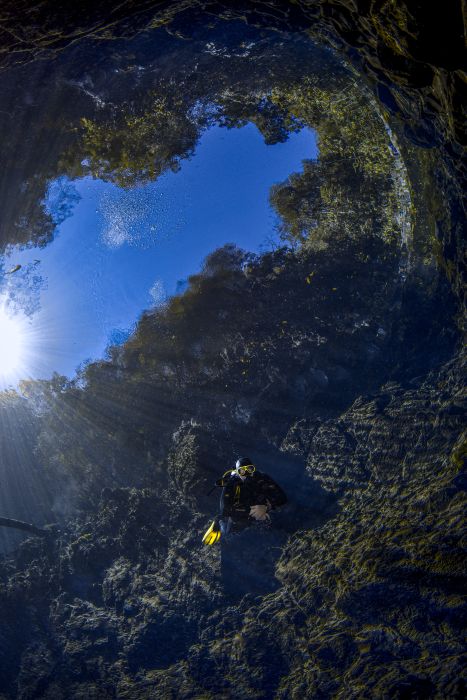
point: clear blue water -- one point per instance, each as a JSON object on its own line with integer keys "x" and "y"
{"x": 120, "y": 252}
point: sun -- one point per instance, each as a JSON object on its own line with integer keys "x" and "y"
{"x": 11, "y": 347}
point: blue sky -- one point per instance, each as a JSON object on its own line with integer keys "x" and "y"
{"x": 122, "y": 251}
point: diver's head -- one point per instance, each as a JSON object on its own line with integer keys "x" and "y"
{"x": 244, "y": 467}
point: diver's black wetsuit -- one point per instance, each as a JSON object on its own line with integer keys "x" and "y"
{"x": 248, "y": 559}
{"x": 239, "y": 495}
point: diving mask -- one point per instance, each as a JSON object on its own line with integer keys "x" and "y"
{"x": 247, "y": 469}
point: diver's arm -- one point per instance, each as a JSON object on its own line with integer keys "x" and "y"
{"x": 273, "y": 495}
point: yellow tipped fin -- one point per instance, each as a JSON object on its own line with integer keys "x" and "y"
{"x": 213, "y": 534}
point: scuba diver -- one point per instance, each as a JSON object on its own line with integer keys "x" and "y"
{"x": 248, "y": 495}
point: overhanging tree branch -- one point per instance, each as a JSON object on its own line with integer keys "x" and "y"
{"x": 20, "y": 525}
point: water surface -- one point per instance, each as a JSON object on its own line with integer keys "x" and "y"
{"x": 120, "y": 251}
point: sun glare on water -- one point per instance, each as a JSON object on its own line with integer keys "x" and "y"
{"x": 12, "y": 348}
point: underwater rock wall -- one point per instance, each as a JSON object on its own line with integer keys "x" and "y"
{"x": 370, "y": 604}
{"x": 370, "y": 601}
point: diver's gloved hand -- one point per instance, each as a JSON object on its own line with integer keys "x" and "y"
{"x": 213, "y": 534}
{"x": 259, "y": 512}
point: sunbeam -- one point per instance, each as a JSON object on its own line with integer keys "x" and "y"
{"x": 12, "y": 347}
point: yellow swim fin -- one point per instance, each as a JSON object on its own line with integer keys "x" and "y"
{"x": 213, "y": 534}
